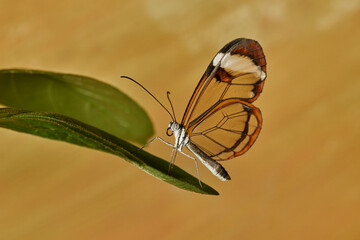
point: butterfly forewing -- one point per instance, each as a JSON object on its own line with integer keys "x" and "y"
{"x": 220, "y": 118}
{"x": 238, "y": 70}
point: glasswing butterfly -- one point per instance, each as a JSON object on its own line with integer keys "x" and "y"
{"x": 220, "y": 122}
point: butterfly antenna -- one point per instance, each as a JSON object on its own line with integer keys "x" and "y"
{"x": 150, "y": 95}
{"x": 172, "y": 107}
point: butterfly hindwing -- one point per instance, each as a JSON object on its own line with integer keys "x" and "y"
{"x": 227, "y": 130}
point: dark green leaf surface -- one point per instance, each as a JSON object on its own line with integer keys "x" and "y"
{"x": 59, "y": 127}
{"x": 83, "y": 98}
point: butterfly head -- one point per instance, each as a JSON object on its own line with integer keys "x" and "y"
{"x": 173, "y": 127}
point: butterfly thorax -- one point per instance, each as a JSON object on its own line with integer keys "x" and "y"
{"x": 180, "y": 134}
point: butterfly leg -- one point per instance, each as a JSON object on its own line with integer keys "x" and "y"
{"x": 152, "y": 141}
{"x": 165, "y": 142}
{"x": 173, "y": 156}
{"x": 187, "y": 155}
{"x": 196, "y": 165}
{"x": 172, "y": 159}
{"x": 198, "y": 173}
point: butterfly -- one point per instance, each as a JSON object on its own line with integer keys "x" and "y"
{"x": 220, "y": 122}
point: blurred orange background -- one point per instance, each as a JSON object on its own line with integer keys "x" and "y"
{"x": 299, "y": 181}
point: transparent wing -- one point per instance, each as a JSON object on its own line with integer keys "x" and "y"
{"x": 226, "y": 130}
{"x": 238, "y": 70}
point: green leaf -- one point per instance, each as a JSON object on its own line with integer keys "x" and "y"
{"x": 83, "y": 98}
{"x": 59, "y": 127}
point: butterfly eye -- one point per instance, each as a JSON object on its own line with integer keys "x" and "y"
{"x": 169, "y": 132}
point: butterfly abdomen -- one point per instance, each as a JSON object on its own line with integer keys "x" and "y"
{"x": 215, "y": 167}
